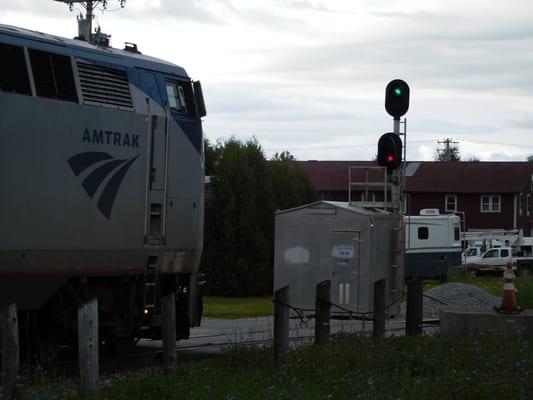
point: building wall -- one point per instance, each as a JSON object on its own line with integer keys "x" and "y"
{"x": 470, "y": 205}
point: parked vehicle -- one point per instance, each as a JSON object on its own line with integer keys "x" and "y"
{"x": 432, "y": 243}
{"x": 496, "y": 259}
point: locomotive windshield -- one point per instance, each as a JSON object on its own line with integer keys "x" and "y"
{"x": 180, "y": 96}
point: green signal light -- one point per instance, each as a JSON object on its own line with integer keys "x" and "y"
{"x": 398, "y": 91}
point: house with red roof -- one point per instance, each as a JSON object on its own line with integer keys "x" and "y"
{"x": 486, "y": 195}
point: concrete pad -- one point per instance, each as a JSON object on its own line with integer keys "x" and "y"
{"x": 460, "y": 320}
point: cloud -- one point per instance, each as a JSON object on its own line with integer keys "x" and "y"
{"x": 310, "y": 75}
{"x": 524, "y": 123}
{"x": 507, "y": 157}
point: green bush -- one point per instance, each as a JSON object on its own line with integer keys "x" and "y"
{"x": 245, "y": 191}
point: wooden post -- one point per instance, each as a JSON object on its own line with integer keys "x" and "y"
{"x": 281, "y": 326}
{"x": 9, "y": 335}
{"x": 88, "y": 346}
{"x": 323, "y": 308}
{"x": 168, "y": 321}
{"x": 415, "y": 307}
{"x": 378, "y": 328}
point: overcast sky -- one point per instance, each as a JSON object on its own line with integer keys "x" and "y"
{"x": 309, "y": 76}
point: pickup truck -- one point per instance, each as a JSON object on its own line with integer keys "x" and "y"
{"x": 496, "y": 259}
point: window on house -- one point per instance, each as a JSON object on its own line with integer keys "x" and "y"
{"x": 423, "y": 232}
{"x": 450, "y": 203}
{"x": 490, "y": 204}
{"x": 53, "y": 76}
{"x": 13, "y": 70}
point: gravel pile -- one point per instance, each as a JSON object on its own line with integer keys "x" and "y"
{"x": 454, "y": 294}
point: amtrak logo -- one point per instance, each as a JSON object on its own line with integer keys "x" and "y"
{"x": 105, "y": 165}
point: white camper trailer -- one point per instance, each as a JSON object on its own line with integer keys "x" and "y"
{"x": 432, "y": 243}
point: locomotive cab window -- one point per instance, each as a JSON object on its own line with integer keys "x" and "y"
{"x": 53, "y": 76}
{"x": 13, "y": 70}
{"x": 180, "y": 96}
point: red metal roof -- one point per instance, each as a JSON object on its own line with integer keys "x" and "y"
{"x": 431, "y": 176}
{"x": 331, "y": 176}
{"x": 471, "y": 177}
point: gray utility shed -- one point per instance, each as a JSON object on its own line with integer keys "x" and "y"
{"x": 349, "y": 245}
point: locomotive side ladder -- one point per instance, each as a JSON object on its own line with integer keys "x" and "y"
{"x": 150, "y": 290}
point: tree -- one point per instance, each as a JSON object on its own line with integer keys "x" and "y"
{"x": 211, "y": 155}
{"x": 245, "y": 191}
{"x": 450, "y": 152}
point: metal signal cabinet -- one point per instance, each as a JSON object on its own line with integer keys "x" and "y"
{"x": 348, "y": 245}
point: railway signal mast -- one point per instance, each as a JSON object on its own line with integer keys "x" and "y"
{"x": 85, "y": 23}
{"x": 390, "y": 146}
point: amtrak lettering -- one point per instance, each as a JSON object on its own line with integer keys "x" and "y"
{"x": 111, "y": 138}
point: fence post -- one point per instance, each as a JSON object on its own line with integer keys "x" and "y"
{"x": 415, "y": 307}
{"x": 168, "y": 320}
{"x": 323, "y": 308}
{"x": 88, "y": 346}
{"x": 10, "y": 348}
{"x": 378, "y": 328}
{"x": 281, "y": 326}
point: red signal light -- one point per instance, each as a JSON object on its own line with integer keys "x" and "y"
{"x": 389, "y": 151}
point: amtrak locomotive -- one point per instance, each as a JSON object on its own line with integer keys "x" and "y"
{"x": 102, "y": 176}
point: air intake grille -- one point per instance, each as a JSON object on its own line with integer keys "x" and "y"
{"x": 103, "y": 85}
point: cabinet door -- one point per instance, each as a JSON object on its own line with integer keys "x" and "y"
{"x": 345, "y": 271}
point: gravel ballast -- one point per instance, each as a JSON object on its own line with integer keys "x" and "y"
{"x": 454, "y": 294}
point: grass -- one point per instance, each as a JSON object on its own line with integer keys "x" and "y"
{"x": 241, "y": 307}
{"x": 350, "y": 367}
{"x": 250, "y": 307}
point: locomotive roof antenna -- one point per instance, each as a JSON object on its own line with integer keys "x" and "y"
{"x": 85, "y": 23}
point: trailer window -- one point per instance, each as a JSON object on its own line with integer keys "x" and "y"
{"x": 13, "y": 70}
{"x": 180, "y": 97}
{"x": 423, "y": 232}
{"x": 53, "y": 76}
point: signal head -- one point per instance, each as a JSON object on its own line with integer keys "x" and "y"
{"x": 389, "y": 151}
{"x": 397, "y": 98}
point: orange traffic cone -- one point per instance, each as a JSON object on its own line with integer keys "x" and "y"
{"x": 509, "y": 303}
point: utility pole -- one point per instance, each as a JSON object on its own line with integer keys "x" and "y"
{"x": 450, "y": 150}
{"x": 85, "y": 23}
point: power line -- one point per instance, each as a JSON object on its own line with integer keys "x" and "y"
{"x": 354, "y": 146}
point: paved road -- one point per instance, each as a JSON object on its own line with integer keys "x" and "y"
{"x": 216, "y": 335}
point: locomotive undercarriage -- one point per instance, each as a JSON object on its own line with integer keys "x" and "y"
{"x": 124, "y": 317}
